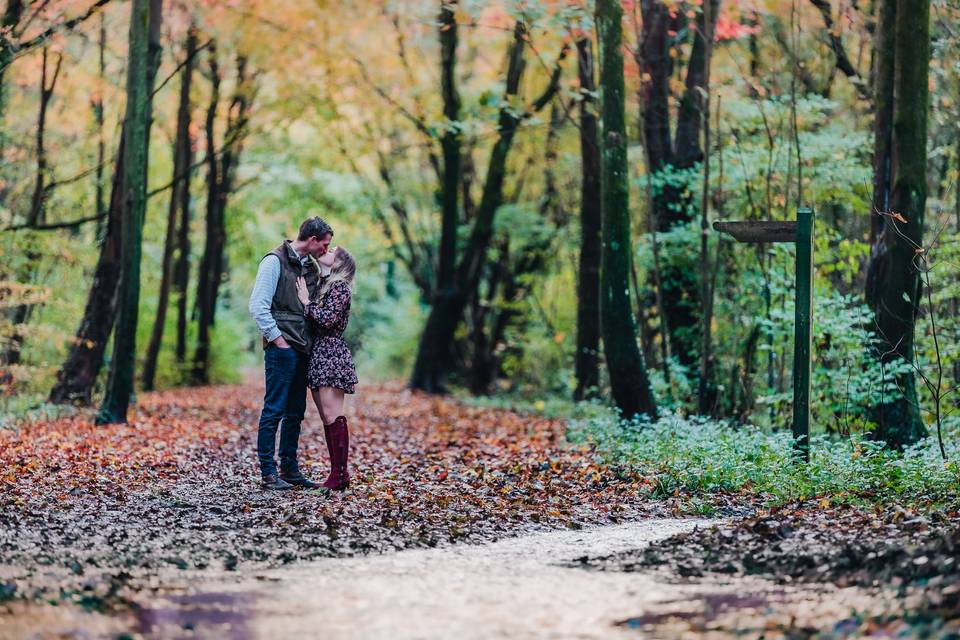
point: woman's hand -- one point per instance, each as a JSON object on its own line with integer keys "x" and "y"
{"x": 302, "y": 292}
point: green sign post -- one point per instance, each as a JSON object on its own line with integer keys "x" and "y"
{"x": 799, "y": 232}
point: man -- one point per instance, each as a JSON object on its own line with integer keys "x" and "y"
{"x": 287, "y": 339}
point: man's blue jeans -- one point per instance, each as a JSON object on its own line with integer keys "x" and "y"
{"x": 285, "y": 400}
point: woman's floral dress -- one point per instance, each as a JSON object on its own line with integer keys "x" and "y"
{"x": 331, "y": 364}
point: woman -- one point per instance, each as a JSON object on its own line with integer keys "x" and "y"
{"x": 330, "y": 369}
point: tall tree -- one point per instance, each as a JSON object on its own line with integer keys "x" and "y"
{"x": 436, "y": 342}
{"x": 450, "y": 143}
{"x": 179, "y": 198}
{"x": 38, "y": 202}
{"x": 896, "y": 233}
{"x": 673, "y": 203}
{"x": 144, "y": 59}
{"x": 181, "y": 269}
{"x": 628, "y": 375}
{"x": 78, "y": 374}
{"x": 221, "y": 178}
{"x": 706, "y": 396}
{"x": 500, "y": 304}
{"x": 96, "y": 103}
{"x": 432, "y": 354}
{"x": 586, "y": 361}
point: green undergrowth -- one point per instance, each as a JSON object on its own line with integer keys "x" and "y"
{"x": 698, "y": 457}
{"x": 547, "y": 406}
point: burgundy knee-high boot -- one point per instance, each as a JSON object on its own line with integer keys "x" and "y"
{"x": 330, "y": 435}
{"x": 344, "y": 450}
{"x": 337, "y": 446}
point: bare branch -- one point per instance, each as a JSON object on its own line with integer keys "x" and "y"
{"x": 68, "y": 25}
{"x": 843, "y": 62}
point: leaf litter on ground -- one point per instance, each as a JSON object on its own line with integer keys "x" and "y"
{"x": 86, "y": 509}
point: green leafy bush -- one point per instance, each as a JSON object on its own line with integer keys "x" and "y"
{"x": 699, "y": 456}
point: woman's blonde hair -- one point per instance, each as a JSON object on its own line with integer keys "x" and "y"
{"x": 344, "y": 269}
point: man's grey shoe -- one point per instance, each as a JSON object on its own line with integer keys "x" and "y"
{"x": 275, "y": 483}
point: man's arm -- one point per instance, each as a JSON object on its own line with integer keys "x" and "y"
{"x": 264, "y": 288}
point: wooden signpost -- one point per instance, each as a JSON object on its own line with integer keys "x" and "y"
{"x": 800, "y": 232}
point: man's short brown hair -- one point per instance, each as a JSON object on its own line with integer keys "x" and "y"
{"x": 314, "y": 227}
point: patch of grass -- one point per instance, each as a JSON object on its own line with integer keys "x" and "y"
{"x": 31, "y": 408}
{"x": 695, "y": 456}
{"x": 548, "y": 406}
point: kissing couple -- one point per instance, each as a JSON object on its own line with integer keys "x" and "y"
{"x": 301, "y": 304}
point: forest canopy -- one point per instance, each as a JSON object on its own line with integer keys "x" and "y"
{"x": 528, "y": 187}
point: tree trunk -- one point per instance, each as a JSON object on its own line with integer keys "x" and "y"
{"x": 690, "y": 112}
{"x": 209, "y": 276}
{"x": 220, "y": 179}
{"x": 96, "y": 102}
{"x": 179, "y": 185}
{"x": 38, "y": 202}
{"x": 586, "y": 363}
{"x": 144, "y": 59}
{"x": 893, "y": 282}
{"x": 628, "y": 375}
{"x": 434, "y": 353}
{"x": 656, "y": 66}
{"x": 672, "y": 204}
{"x": 706, "y": 389}
{"x": 450, "y": 142}
{"x": 78, "y": 375}
{"x": 181, "y": 270}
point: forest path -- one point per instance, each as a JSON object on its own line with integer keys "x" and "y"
{"x": 529, "y": 587}
{"x": 515, "y": 588}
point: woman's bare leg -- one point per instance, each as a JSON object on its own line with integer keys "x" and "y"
{"x": 317, "y": 400}
{"x": 331, "y": 399}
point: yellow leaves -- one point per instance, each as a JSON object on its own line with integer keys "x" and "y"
{"x": 17, "y": 293}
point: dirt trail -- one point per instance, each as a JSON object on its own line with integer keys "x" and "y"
{"x": 517, "y": 588}
{"x": 525, "y": 587}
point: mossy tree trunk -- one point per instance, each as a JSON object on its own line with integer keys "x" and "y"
{"x": 143, "y": 61}
{"x": 628, "y": 374}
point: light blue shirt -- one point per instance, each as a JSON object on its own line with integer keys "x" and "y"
{"x": 261, "y": 298}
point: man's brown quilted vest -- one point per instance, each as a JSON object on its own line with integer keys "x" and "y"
{"x": 286, "y": 308}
